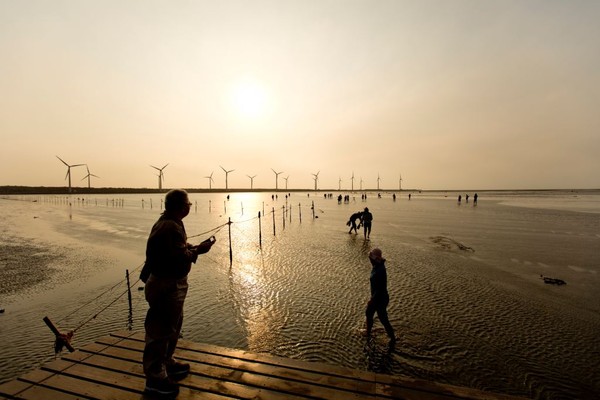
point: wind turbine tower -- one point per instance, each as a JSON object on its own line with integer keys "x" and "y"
{"x": 286, "y": 181}
{"x": 161, "y": 175}
{"x": 226, "y": 175}
{"x": 210, "y": 180}
{"x": 276, "y": 178}
{"x": 316, "y": 179}
{"x": 340, "y": 183}
{"x": 378, "y": 179}
{"x": 400, "y": 183}
{"x": 251, "y": 181}
{"x": 352, "y": 179}
{"x": 69, "y": 170}
{"x": 89, "y": 174}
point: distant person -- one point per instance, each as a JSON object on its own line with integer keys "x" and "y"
{"x": 459, "y": 198}
{"x": 366, "y": 220}
{"x": 466, "y": 198}
{"x": 475, "y": 199}
{"x": 409, "y": 196}
{"x": 169, "y": 258}
{"x": 394, "y": 196}
{"x": 352, "y": 221}
{"x": 379, "y": 295}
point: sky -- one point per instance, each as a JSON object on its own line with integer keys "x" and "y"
{"x": 433, "y": 95}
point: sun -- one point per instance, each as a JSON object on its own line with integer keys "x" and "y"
{"x": 250, "y": 100}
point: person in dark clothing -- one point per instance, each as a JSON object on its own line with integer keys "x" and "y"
{"x": 379, "y": 295}
{"x": 366, "y": 219}
{"x": 169, "y": 258}
{"x": 352, "y": 222}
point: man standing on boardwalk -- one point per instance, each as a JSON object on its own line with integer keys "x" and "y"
{"x": 169, "y": 258}
{"x": 379, "y": 295}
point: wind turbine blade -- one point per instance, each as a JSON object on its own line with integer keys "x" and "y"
{"x": 67, "y": 175}
{"x": 63, "y": 161}
{"x": 156, "y": 168}
{"x": 223, "y": 168}
{"x": 77, "y": 165}
{"x": 164, "y": 166}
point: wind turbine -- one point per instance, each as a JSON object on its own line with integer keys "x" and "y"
{"x": 400, "y": 183}
{"x": 316, "y": 179}
{"x": 286, "y": 179}
{"x": 352, "y": 179}
{"x": 226, "y": 174}
{"x": 251, "y": 181}
{"x": 378, "y": 179}
{"x": 161, "y": 175}
{"x": 340, "y": 183}
{"x": 276, "y": 178}
{"x": 361, "y": 183}
{"x": 210, "y": 180}
{"x": 69, "y": 170}
{"x": 89, "y": 174}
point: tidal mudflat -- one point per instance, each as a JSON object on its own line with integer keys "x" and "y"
{"x": 467, "y": 300}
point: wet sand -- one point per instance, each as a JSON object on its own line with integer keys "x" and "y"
{"x": 467, "y": 300}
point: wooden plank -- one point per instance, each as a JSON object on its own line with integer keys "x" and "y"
{"x": 200, "y": 379}
{"x": 261, "y": 357}
{"x": 111, "y": 368}
{"x": 229, "y": 381}
{"x": 276, "y": 377}
{"x": 18, "y": 389}
{"x": 112, "y": 384}
{"x": 359, "y": 382}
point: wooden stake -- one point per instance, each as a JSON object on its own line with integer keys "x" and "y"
{"x": 230, "y": 249}
{"x": 259, "y": 231}
{"x": 59, "y": 336}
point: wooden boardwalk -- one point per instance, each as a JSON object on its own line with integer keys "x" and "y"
{"x": 110, "y": 368}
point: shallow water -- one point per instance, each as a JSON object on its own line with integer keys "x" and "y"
{"x": 467, "y": 301}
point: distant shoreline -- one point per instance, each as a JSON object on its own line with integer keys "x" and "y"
{"x": 63, "y": 190}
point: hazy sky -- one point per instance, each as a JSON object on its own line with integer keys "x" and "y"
{"x": 448, "y": 94}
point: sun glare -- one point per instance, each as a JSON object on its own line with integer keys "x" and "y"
{"x": 250, "y": 100}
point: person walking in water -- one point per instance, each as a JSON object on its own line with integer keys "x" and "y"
{"x": 352, "y": 222}
{"x": 169, "y": 258}
{"x": 366, "y": 220}
{"x": 379, "y": 295}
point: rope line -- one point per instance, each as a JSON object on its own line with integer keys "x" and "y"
{"x": 103, "y": 309}
{"x": 97, "y": 297}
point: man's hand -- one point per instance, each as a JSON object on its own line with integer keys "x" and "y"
{"x": 205, "y": 246}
